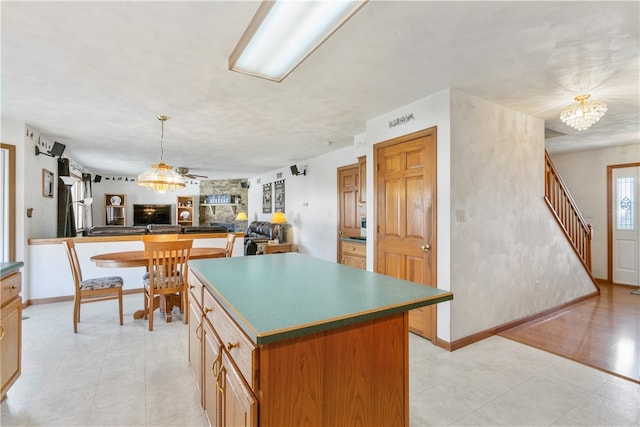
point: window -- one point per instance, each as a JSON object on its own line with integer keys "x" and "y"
{"x": 8, "y": 202}
{"x": 625, "y": 204}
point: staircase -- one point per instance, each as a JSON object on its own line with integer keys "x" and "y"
{"x": 566, "y": 213}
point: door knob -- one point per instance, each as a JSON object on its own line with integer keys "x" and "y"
{"x": 425, "y": 247}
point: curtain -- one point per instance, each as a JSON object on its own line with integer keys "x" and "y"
{"x": 88, "y": 210}
{"x": 66, "y": 219}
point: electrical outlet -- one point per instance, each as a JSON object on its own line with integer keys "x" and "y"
{"x": 460, "y": 215}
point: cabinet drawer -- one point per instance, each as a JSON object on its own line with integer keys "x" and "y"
{"x": 11, "y": 287}
{"x": 240, "y": 347}
{"x": 195, "y": 289}
{"x": 356, "y": 249}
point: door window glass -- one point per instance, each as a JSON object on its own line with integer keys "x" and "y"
{"x": 625, "y": 203}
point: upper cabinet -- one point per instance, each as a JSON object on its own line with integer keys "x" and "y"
{"x": 184, "y": 210}
{"x": 362, "y": 172}
{"x": 115, "y": 207}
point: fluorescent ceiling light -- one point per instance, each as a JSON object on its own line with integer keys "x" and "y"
{"x": 283, "y": 33}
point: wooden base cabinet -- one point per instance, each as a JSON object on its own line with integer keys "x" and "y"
{"x": 225, "y": 395}
{"x": 10, "y": 331}
{"x": 353, "y": 254}
{"x": 350, "y": 375}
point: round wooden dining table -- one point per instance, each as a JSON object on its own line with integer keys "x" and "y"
{"x": 139, "y": 259}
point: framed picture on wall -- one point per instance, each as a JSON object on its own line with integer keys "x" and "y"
{"x": 266, "y": 198}
{"x": 279, "y": 196}
{"x": 47, "y": 183}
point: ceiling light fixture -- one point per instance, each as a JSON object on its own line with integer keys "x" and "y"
{"x": 582, "y": 115}
{"x": 161, "y": 177}
{"x": 283, "y": 33}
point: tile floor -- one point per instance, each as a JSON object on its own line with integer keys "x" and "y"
{"x": 112, "y": 375}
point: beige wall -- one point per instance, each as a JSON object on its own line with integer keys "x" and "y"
{"x": 585, "y": 174}
{"x": 509, "y": 258}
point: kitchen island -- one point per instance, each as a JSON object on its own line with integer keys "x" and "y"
{"x": 288, "y": 339}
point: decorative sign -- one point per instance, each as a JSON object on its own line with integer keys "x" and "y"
{"x": 279, "y": 203}
{"x": 47, "y": 183}
{"x": 401, "y": 120}
{"x": 266, "y": 198}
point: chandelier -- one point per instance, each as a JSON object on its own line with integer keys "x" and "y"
{"x": 161, "y": 177}
{"x": 582, "y": 115}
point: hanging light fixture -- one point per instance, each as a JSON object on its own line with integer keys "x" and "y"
{"x": 161, "y": 177}
{"x": 582, "y": 115}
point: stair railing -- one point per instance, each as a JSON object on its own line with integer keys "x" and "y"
{"x": 566, "y": 212}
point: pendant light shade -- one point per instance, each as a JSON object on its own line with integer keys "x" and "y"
{"x": 583, "y": 114}
{"x": 161, "y": 177}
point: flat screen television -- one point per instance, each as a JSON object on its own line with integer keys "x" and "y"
{"x": 151, "y": 214}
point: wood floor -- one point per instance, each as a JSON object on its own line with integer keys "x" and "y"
{"x": 603, "y": 332}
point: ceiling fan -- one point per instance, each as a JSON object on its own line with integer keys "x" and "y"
{"x": 184, "y": 171}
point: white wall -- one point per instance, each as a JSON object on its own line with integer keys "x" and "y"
{"x": 509, "y": 258}
{"x": 311, "y": 202}
{"x": 585, "y": 174}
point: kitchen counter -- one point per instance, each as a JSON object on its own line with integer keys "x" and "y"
{"x": 7, "y": 268}
{"x": 288, "y": 339}
{"x": 356, "y": 239}
{"x": 277, "y": 297}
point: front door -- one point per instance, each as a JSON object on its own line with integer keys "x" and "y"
{"x": 406, "y": 216}
{"x": 626, "y": 230}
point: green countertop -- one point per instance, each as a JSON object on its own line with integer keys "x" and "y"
{"x": 7, "y": 268}
{"x": 281, "y": 296}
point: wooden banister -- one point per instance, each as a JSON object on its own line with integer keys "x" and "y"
{"x": 566, "y": 212}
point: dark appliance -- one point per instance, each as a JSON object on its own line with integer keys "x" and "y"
{"x": 151, "y": 214}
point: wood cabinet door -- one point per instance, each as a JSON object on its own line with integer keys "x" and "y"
{"x": 195, "y": 343}
{"x": 239, "y": 405}
{"x": 10, "y": 343}
{"x": 348, "y": 219}
{"x": 406, "y": 216}
{"x": 354, "y": 261}
{"x": 211, "y": 401}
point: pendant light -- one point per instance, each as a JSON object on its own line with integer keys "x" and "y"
{"x": 161, "y": 177}
{"x": 582, "y": 115}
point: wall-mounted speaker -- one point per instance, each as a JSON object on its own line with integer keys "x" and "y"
{"x": 97, "y": 178}
{"x": 56, "y": 150}
{"x": 296, "y": 172}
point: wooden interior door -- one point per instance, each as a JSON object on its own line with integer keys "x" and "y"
{"x": 406, "y": 216}
{"x": 348, "y": 187}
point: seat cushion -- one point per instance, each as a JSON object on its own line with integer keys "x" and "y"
{"x": 102, "y": 283}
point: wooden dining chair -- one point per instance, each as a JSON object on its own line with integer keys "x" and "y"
{"x": 231, "y": 238}
{"x": 168, "y": 275}
{"x": 156, "y": 238}
{"x": 90, "y": 290}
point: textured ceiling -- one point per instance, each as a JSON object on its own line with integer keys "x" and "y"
{"x": 93, "y": 75}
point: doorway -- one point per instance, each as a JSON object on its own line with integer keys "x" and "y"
{"x": 405, "y": 187}
{"x": 623, "y": 218}
{"x": 8, "y": 202}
